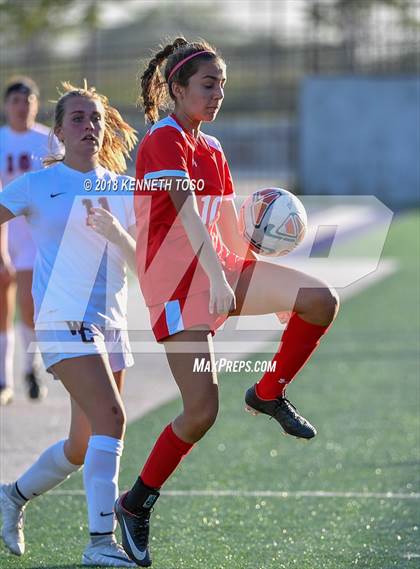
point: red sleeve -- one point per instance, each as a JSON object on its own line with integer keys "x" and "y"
{"x": 162, "y": 153}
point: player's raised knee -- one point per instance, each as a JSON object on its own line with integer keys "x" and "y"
{"x": 328, "y": 303}
{"x": 318, "y": 305}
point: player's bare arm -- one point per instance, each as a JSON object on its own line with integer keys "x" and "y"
{"x": 6, "y": 268}
{"x": 222, "y": 297}
{"x": 229, "y": 232}
{"x": 5, "y": 264}
{"x": 5, "y": 215}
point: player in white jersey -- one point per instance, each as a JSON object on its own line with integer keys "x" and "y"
{"x": 83, "y": 239}
{"x": 23, "y": 145}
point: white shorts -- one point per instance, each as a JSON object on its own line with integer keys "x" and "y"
{"x": 59, "y": 341}
{"x": 22, "y": 249}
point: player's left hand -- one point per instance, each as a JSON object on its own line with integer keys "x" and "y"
{"x": 104, "y": 223}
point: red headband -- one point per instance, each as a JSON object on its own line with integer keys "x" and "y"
{"x": 180, "y": 63}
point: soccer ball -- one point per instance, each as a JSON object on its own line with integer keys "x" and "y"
{"x": 272, "y": 221}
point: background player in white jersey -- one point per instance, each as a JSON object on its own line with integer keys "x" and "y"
{"x": 80, "y": 294}
{"x": 23, "y": 145}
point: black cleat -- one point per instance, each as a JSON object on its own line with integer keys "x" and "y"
{"x": 283, "y": 411}
{"x": 135, "y": 530}
{"x": 35, "y": 387}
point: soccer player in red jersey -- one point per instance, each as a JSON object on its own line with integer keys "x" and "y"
{"x": 195, "y": 271}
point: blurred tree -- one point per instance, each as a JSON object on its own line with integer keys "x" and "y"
{"x": 160, "y": 22}
{"x": 355, "y": 21}
{"x": 329, "y": 11}
{"x": 33, "y": 25}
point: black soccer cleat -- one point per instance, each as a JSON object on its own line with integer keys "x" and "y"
{"x": 34, "y": 386}
{"x": 135, "y": 530}
{"x": 282, "y": 411}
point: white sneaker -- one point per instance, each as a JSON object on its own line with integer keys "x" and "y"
{"x": 109, "y": 554}
{"x": 13, "y": 520}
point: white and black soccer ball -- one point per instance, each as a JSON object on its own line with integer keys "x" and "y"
{"x": 273, "y": 221}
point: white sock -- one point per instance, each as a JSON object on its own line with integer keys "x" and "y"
{"x": 28, "y": 337}
{"x": 7, "y": 349}
{"x": 50, "y": 470}
{"x": 100, "y": 476}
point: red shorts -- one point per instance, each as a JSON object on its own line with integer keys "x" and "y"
{"x": 175, "y": 316}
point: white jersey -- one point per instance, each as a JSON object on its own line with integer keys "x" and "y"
{"x": 22, "y": 152}
{"x": 78, "y": 274}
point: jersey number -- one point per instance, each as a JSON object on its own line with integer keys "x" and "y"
{"x": 23, "y": 163}
{"x": 103, "y": 202}
{"x": 210, "y": 208}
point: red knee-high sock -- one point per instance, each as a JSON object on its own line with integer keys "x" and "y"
{"x": 167, "y": 453}
{"x": 299, "y": 341}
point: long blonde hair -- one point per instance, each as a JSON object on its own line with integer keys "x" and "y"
{"x": 119, "y": 137}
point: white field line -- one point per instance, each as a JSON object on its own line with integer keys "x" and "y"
{"x": 270, "y": 494}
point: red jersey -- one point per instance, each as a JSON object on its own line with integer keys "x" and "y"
{"x": 167, "y": 266}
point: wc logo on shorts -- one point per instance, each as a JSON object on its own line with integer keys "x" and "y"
{"x": 82, "y": 329}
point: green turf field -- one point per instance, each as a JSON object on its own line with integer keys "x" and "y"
{"x": 361, "y": 391}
